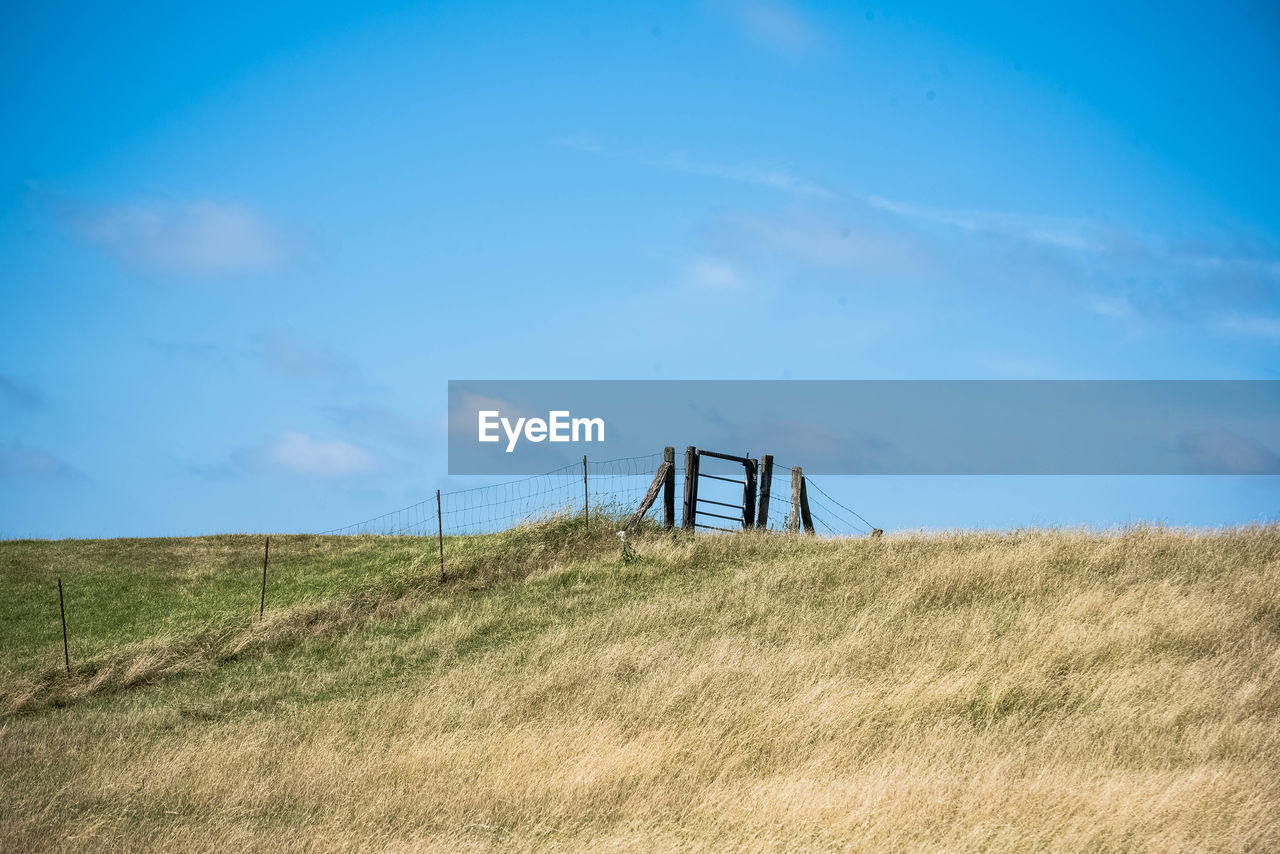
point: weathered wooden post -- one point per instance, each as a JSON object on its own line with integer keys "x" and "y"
{"x": 749, "y": 494}
{"x": 669, "y": 489}
{"x": 661, "y": 478}
{"x": 690, "y": 488}
{"x": 805, "y": 518}
{"x": 766, "y": 481}
{"x": 797, "y": 483}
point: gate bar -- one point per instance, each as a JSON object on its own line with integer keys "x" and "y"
{"x": 729, "y": 457}
{"x": 721, "y": 503}
{"x": 718, "y": 516}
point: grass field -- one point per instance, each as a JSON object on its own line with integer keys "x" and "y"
{"x": 971, "y": 691}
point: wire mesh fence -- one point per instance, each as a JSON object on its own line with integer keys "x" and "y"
{"x": 612, "y": 488}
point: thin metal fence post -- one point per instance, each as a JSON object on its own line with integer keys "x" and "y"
{"x": 266, "y": 553}
{"x": 586, "y": 496}
{"x": 66, "y": 652}
{"x": 440, "y": 533}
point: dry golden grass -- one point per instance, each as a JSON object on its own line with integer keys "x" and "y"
{"x": 969, "y": 691}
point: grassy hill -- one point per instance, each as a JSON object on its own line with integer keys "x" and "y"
{"x": 966, "y": 691}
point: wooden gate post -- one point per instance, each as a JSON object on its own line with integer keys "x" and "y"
{"x": 690, "y": 487}
{"x": 766, "y": 481}
{"x": 749, "y": 494}
{"x": 669, "y": 489}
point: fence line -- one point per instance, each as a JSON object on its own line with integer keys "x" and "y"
{"x": 615, "y": 487}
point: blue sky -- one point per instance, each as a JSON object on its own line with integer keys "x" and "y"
{"x": 244, "y": 246}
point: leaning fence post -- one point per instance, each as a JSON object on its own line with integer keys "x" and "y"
{"x": 586, "y": 496}
{"x": 805, "y": 518}
{"x": 690, "y": 488}
{"x": 650, "y": 495}
{"x": 766, "y": 483}
{"x": 66, "y": 652}
{"x": 440, "y": 532}
{"x": 669, "y": 489}
{"x": 266, "y": 553}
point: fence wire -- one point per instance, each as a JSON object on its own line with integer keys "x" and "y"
{"x": 613, "y": 488}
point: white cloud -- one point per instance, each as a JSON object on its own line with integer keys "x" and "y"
{"x": 773, "y": 23}
{"x": 194, "y": 238}
{"x": 298, "y": 453}
{"x": 713, "y": 273}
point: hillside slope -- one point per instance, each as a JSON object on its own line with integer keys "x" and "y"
{"x": 968, "y": 691}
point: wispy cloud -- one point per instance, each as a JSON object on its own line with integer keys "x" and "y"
{"x": 1060, "y": 233}
{"x": 774, "y": 179}
{"x": 775, "y": 24}
{"x": 825, "y": 239}
{"x": 21, "y": 460}
{"x": 386, "y": 424}
{"x": 1226, "y": 283}
{"x": 1110, "y": 306}
{"x": 18, "y": 395}
{"x": 214, "y": 471}
{"x": 299, "y": 454}
{"x": 1219, "y": 451}
{"x": 581, "y": 142}
{"x": 1149, "y": 273}
{"x": 186, "y": 349}
{"x": 1249, "y": 326}
{"x": 770, "y": 177}
{"x": 198, "y": 238}
{"x": 713, "y": 273}
{"x": 293, "y": 356}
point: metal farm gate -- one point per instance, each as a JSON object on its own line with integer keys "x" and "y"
{"x": 745, "y": 510}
